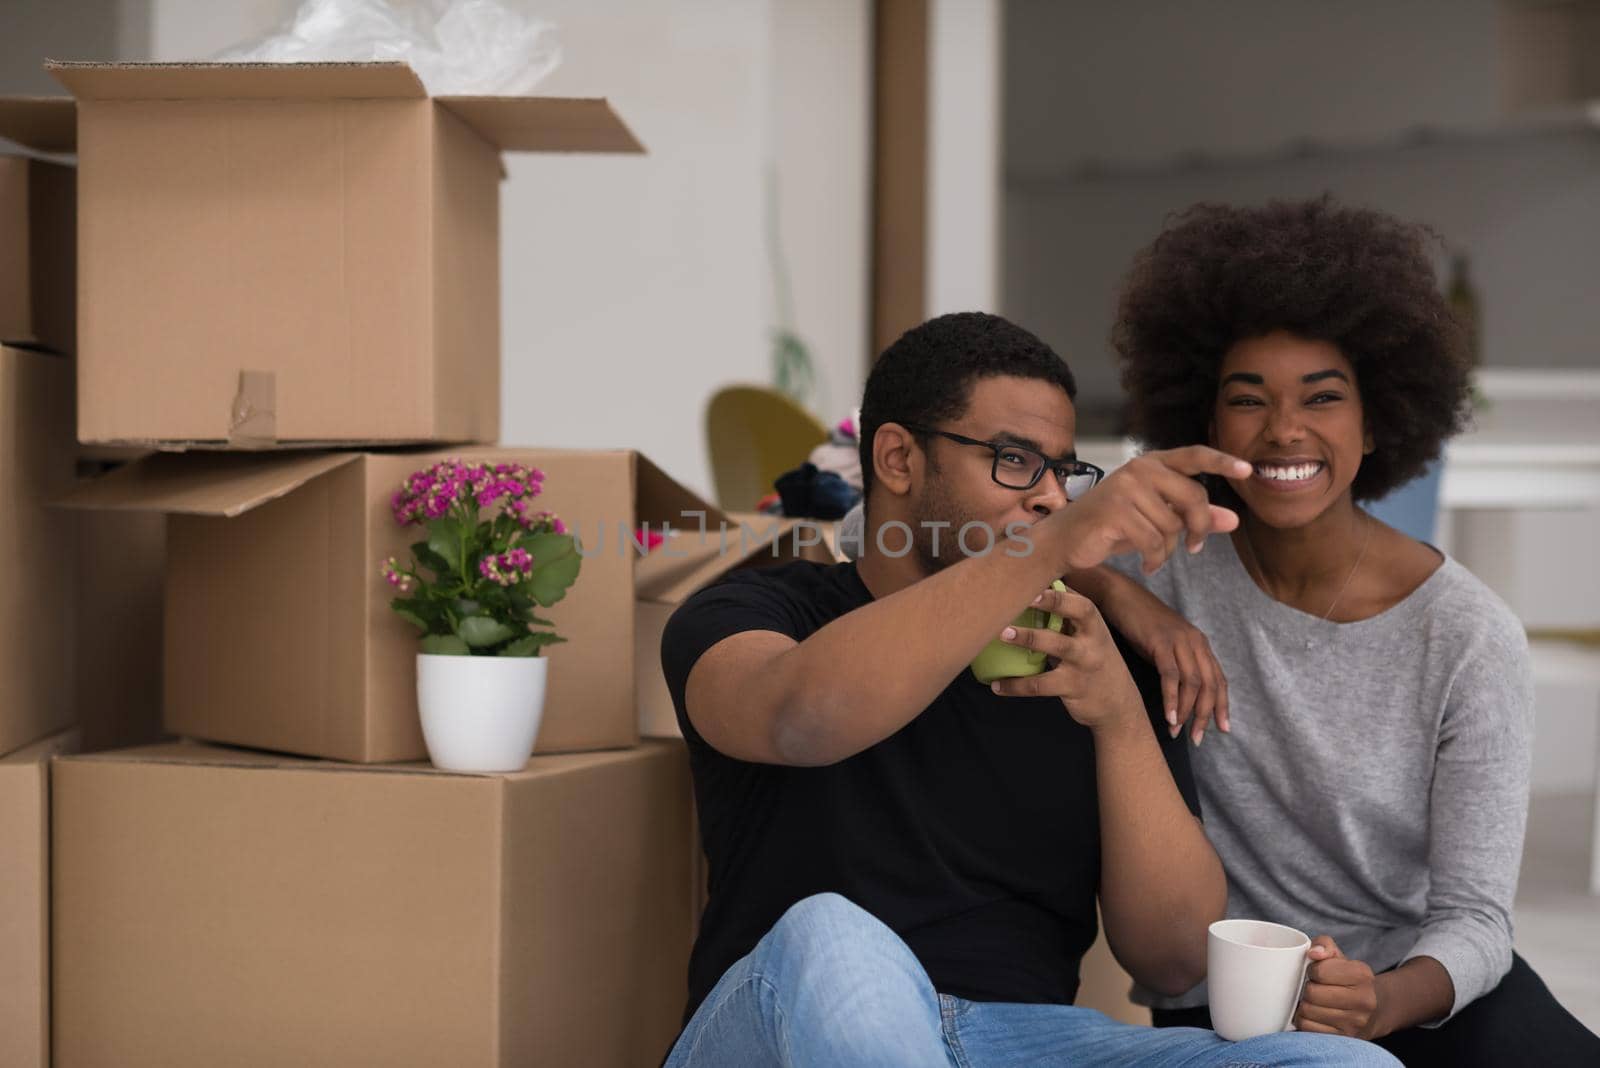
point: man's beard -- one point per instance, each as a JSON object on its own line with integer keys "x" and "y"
{"x": 938, "y": 506}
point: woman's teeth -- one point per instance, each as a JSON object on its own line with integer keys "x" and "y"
{"x": 1289, "y": 473}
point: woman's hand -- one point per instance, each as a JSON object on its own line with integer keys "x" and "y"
{"x": 1341, "y": 995}
{"x": 1192, "y": 682}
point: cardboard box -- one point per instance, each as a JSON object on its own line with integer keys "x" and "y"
{"x": 25, "y": 901}
{"x": 121, "y": 568}
{"x": 38, "y": 597}
{"x": 278, "y": 631}
{"x": 295, "y": 253}
{"x": 38, "y": 259}
{"x": 220, "y": 906}
{"x": 728, "y": 543}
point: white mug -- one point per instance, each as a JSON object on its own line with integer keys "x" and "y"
{"x": 1254, "y": 973}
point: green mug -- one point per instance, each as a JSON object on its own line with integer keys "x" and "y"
{"x": 1001, "y": 660}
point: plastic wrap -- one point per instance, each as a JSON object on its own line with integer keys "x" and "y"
{"x": 457, "y": 47}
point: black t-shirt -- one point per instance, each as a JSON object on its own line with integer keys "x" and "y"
{"x": 973, "y": 832}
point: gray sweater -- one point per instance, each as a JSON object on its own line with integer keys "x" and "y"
{"x": 1375, "y": 784}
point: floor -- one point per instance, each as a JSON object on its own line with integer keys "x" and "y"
{"x": 1557, "y": 919}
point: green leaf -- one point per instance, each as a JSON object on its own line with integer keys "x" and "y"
{"x": 481, "y": 631}
{"x": 410, "y": 617}
{"x": 531, "y": 618}
{"x": 444, "y": 538}
{"x": 425, "y": 612}
{"x": 532, "y": 643}
{"x": 555, "y": 567}
{"x": 430, "y": 559}
{"x": 445, "y": 645}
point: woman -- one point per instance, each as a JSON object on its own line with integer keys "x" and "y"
{"x": 1371, "y": 784}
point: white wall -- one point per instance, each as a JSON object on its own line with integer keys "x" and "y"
{"x": 196, "y": 29}
{"x": 32, "y": 31}
{"x": 821, "y": 136}
{"x": 964, "y": 150}
{"x": 634, "y": 286}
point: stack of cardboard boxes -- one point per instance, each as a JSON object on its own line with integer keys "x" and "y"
{"x": 288, "y": 299}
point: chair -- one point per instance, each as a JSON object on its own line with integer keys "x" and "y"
{"x": 753, "y": 435}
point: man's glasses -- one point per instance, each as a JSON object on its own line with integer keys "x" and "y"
{"x": 1020, "y": 468}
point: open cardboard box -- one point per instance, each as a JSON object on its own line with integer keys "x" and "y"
{"x": 278, "y": 632}
{"x": 291, "y": 253}
{"x": 217, "y": 906}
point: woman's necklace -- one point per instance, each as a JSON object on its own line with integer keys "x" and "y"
{"x": 1261, "y": 576}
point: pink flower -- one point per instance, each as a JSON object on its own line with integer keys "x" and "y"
{"x": 489, "y": 568}
{"x": 508, "y": 568}
{"x": 433, "y": 492}
{"x": 395, "y": 576}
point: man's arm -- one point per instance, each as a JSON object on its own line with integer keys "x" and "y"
{"x": 1161, "y": 884}
{"x": 761, "y": 696}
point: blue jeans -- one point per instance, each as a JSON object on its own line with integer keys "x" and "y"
{"x": 831, "y": 986}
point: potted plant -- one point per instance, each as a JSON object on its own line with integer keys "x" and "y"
{"x": 474, "y": 587}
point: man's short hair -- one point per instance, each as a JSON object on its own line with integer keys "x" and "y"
{"x": 926, "y": 376}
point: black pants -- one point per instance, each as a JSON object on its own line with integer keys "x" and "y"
{"x": 1518, "y": 1022}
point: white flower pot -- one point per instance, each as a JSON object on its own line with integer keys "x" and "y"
{"x": 480, "y": 713}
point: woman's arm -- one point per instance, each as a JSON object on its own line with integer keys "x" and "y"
{"x": 1192, "y": 681}
{"x": 1343, "y": 997}
{"x": 1478, "y": 811}
{"x": 1476, "y": 817}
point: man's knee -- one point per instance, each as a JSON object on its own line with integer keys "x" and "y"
{"x": 845, "y": 985}
{"x": 829, "y": 935}
{"x": 826, "y": 918}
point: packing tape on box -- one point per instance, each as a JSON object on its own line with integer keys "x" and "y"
{"x": 253, "y": 420}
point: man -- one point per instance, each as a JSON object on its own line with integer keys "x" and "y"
{"x": 904, "y": 862}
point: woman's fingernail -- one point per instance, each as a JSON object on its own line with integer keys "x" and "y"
{"x": 1172, "y": 732}
{"x": 994, "y": 687}
{"x": 1198, "y": 738}
{"x": 1172, "y": 716}
{"x": 1009, "y": 633}
{"x": 1039, "y": 598}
